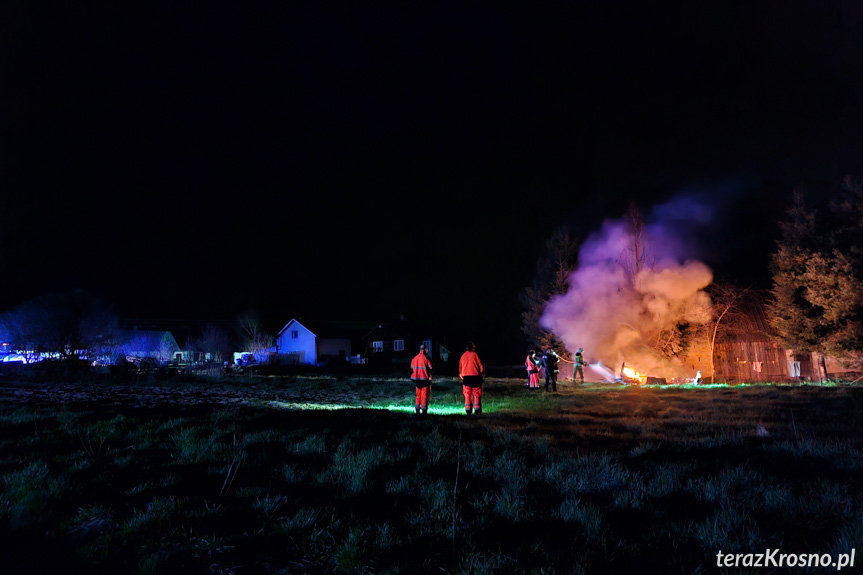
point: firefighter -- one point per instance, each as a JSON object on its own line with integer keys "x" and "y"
{"x": 421, "y": 368}
{"x": 579, "y": 365}
{"x": 549, "y": 364}
{"x": 532, "y": 366}
{"x": 470, "y": 372}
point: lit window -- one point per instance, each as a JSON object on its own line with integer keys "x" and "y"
{"x": 399, "y": 345}
{"x": 295, "y": 334}
{"x": 377, "y": 346}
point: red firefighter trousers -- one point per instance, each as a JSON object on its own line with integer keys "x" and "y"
{"x": 472, "y": 390}
{"x": 423, "y": 394}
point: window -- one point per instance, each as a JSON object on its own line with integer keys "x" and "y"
{"x": 399, "y": 345}
{"x": 295, "y": 334}
{"x": 377, "y": 346}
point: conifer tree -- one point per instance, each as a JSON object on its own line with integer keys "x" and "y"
{"x": 552, "y": 272}
{"x": 817, "y": 298}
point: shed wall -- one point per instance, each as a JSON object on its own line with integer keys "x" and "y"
{"x": 744, "y": 361}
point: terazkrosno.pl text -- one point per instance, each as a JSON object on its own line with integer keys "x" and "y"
{"x": 773, "y": 558}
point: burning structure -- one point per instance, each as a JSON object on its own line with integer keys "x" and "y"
{"x": 637, "y": 303}
{"x": 630, "y": 375}
{"x": 637, "y": 298}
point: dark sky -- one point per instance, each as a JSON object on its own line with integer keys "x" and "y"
{"x": 338, "y": 160}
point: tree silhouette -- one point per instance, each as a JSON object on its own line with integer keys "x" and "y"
{"x": 817, "y": 268}
{"x": 552, "y": 272}
{"x": 67, "y": 326}
{"x": 253, "y": 336}
{"x": 638, "y": 254}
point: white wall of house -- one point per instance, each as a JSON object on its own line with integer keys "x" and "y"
{"x": 296, "y": 340}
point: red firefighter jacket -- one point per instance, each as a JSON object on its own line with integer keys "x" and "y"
{"x": 469, "y": 364}
{"x": 421, "y": 367}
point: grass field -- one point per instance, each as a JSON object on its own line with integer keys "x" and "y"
{"x": 328, "y": 475}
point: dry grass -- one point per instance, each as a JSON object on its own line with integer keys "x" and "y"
{"x": 330, "y": 475}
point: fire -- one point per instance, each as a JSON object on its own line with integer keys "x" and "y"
{"x": 632, "y": 374}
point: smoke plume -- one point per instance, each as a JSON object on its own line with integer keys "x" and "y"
{"x": 634, "y": 283}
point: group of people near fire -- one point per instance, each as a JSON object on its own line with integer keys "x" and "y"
{"x": 471, "y": 372}
{"x": 549, "y": 362}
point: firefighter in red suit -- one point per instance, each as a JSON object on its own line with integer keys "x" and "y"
{"x": 532, "y": 365}
{"x": 421, "y": 368}
{"x": 470, "y": 371}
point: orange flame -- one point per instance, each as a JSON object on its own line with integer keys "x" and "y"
{"x": 632, "y": 374}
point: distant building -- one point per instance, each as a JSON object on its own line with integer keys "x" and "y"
{"x": 747, "y": 350}
{"x": 316, "y": 342}
{"x": 397, "y": 342}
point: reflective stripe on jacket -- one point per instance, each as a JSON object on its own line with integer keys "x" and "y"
{"x": 421, "y": 367}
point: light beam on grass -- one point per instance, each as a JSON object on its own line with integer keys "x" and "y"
{"x": 691, "y": 385}
{"x": 434, "y": 410}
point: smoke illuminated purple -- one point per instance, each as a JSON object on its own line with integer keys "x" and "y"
{"x": 615, "y": 308}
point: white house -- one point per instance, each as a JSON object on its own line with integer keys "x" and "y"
{"x": 312, "y": 343}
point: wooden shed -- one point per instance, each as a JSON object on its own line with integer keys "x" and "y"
{"x": 747, "y": 350}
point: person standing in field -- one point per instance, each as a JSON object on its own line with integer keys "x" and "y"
{"x": 421, "y": 368}
{"x": 549, "y": 364}
{"x": 532, "y": 366}
{"x": 470, "y": 372}
{"x": 578, "y": 369}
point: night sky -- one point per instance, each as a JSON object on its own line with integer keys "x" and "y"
{"x": 345, "y": 161}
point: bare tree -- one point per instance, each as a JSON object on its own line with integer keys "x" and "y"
{"x": 674, "y": 338}
{"x": 252, "y": 335}
{"x": 727, "y": 299}
{"x": 638, "y": 254}
{"x": 213, "y": 342}
{"x": 67, "y": 325}
{"x": 216, "y": 342}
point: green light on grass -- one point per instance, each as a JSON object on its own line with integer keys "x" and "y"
{"x": 744, "y": 384}
{"x": 433, "y": 410}
{"x": 689, "y": 386}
